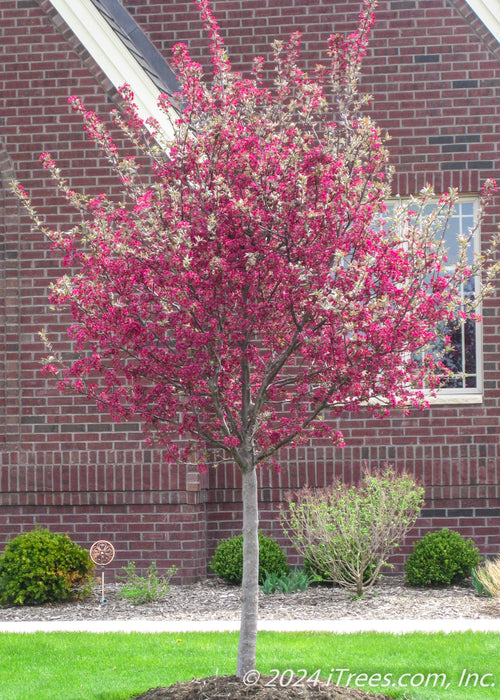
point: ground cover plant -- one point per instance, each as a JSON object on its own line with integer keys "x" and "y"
{"x": 144, "y": 589}
{"x": 84, "y": 666}
{"x": 297, "y": 579}
{"x": 251, "y": 269}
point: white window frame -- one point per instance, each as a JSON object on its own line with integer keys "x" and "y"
{"x": 461, "y": 395}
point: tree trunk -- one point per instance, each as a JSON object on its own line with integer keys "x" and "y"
{"x": 250, "y": 582}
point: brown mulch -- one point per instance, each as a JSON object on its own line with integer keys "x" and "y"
{"x": 212, "y": 599}
{"x": 231, "y": 688}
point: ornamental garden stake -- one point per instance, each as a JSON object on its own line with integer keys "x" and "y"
{"x": 102, "y": 553}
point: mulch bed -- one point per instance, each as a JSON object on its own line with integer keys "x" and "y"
{"x": 266, "y": 688}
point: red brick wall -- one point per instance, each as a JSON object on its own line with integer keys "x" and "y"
{"x": 434, "y": 73}
{"x": 62, "y": 464}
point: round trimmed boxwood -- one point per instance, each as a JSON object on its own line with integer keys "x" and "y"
{"x": 227, "y": 561}
{"x": 40, "y": 566}
{"x": 441, "y": 558}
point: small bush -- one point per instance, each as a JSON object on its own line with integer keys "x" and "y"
{"x": 487, "y": 578}
{"x": 227, "y": 561}
{"x": 145, "y": 589}
{"x": 441, "y": 558}
{"x": 345, "y": 533}
{"x": 40, "y": 566}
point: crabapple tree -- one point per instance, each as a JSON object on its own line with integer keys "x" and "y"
{"x": 246, "y": 287}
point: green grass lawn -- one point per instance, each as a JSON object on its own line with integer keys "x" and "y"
{"x": 116, "y": 666}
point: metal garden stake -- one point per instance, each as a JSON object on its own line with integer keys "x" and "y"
{"x": 102, "y": 553}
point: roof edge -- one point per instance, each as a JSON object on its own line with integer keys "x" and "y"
{"x": 109, "y": 52}
{"x": 488, "y": 12}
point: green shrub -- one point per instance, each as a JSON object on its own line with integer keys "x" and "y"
{"x": 441, "y": 558}
{"x": 40, "y": 566}
{"x": 345, "y": 533}
{"x": 227, "y": 561}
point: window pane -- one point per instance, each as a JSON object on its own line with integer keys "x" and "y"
{"x": 461, "y": 359}
{"x": 460, "y": 224}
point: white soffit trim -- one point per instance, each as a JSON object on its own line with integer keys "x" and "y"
{"x": 112, "y": 56}
{"x": 488, "y": 12}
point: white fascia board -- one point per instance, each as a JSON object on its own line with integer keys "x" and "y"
{"x": 488, "y": 12}
{"x": 112, "y": 56}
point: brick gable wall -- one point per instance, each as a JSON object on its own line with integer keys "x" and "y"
{"x": 434, "y": 73}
